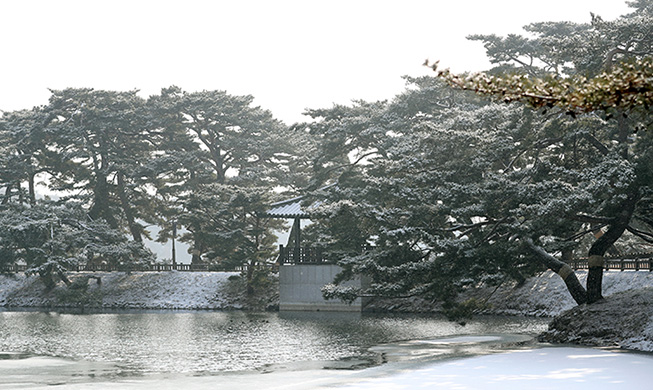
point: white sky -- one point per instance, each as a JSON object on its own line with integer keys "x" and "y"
{"x": 288, "y": 54}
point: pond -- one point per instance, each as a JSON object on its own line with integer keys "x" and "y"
{"x": 101, "y": 346}
{"x": 293, "y": 350}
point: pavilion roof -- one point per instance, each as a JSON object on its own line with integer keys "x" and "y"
{"x": 291, "y": 208}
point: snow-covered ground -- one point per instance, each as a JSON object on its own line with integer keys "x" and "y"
{"x": 624, "y": 319}
{"x": 139, "y": 290}
{"x": 546, "y": 368}
{"x": 539, "y": 368}
{"x": 545, "y": 295}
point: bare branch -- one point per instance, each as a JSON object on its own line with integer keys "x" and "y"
{"x": 351, "y": 164}
{"x": 469, "y": 227}
{"x": 596, "y": 143}
{"x": 581, "y": 234}
{"x": 646, "y": 236}
{"x": 491, "y": 232}
{"x": 591, "y": 218}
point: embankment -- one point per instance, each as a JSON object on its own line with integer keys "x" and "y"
{"x": 624, "y": 319}
{"x": 138, "y": 290}
{"x": 544, "y": 295}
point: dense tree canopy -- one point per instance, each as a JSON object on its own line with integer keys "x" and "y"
{"x": 236, "y": 159}
{"x": 207, "y": 162}
{"x": 442, "y": 187}
{"x": 99, "y": 141}
{"x": 452, "y": 189}
{"x": 615, "y": 78}
{"x": 52, "y": 237}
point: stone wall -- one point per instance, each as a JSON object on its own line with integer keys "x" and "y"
{"x": 300, "y": 288}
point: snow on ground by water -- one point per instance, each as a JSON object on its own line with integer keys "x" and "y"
{"x": 547, "y": 295}
{"x": 546, "y": 368}
{"x": 624, "y": 319}
{"x": 138, "y": 290}
{"x": 539, "y": 368}
{"x": 544, "y": 295}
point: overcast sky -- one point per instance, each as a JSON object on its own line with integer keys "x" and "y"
{"x": 289, "y": 55}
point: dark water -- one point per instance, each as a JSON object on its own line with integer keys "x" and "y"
{"x": 137, "y": 343}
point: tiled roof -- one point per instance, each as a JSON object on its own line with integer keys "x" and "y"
{"x": 291, "y": 208}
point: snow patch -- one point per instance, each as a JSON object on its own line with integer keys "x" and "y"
{"x": 546, "y": 368}
{"x": 624, "y": 319}
{"x": 547, "y": 296}
{"x": 138, "y": 290}
{"x": 462, "y": 339}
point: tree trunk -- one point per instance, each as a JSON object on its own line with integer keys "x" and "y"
{"x": 218, "y": 161}
{"x": 601, "y": 245}
{"x": 250, "y": 276}
{"x": 64, "y": 278}
{"x": 32, "y": 191}
{"x": 576, "y": 289}
{"x": 21, "y": 196}
{"x": 5, "y": 199}
{"x": 253, "y": 262}
{"x": 196, "y": 257}
{"x": 101, "y": 207}
{"x": 198, "y": 247}
{"x": 129, "y": 215}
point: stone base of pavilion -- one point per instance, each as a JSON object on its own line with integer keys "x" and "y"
{"x": 300, "y": 288}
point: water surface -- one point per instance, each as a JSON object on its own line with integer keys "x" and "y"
{"x": 75, "y": 347}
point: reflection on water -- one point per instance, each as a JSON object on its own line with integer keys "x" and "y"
{"x": 451, "y": 347}
{"x": 137, "y": 343}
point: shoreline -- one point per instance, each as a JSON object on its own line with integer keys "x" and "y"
{"x": 136, "y": 290}
{"x": 544, "y": 295}
{"x": 614, "y": 322}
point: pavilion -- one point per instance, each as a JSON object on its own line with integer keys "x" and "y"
{"x": 293, "y": 252}
{"x": 303, "y": 271}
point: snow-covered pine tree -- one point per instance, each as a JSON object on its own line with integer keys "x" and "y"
{"x": 453, "y": 190}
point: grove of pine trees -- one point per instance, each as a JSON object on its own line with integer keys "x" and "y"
{"x": 108, "y": 164}
{"x": 498, "y": 175}
{"x": 458, "y": 180}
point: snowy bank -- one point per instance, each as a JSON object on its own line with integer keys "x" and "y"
{"x": 542, "y": 296}
{"x": 546, "y": 368}
{"x": 547, "y": 295}
{"x": 540, "y": 368}
{"x": 138, "y": 290}
{"x": 624, "y": 320}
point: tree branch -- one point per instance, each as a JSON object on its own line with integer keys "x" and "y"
{"x": 646, "y": 236}
{"x": 566, "y": 273}
{"x": 351, "y": 164}
{"x": 491, "y": 232}
{"x": 590, "y": 219}
{"x": 596, "y": 143}
{"x": 581, "y": 234}
{"x": 468, "y": 227}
